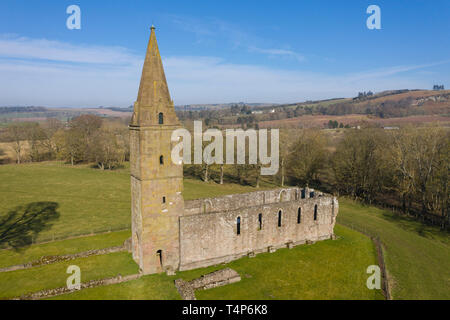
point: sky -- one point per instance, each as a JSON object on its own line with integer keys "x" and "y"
{"x": 219, "y": 51}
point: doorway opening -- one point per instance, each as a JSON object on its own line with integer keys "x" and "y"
{"x": 159, "y": 254}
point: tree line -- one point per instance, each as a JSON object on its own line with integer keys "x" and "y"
{"x": 364, "y": 103}
{"x": 407, "y": 168}
{"x": 84, "y": 139}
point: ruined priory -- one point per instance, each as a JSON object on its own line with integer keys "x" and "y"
{"x": 170, "y": 234}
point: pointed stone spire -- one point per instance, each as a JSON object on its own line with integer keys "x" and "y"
{"x": 153, "y": 96}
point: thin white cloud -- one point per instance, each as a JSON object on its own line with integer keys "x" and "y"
{"x": 26, "y": 48}
{"x": 384, "y": 72}
{"x": 278, "y": 52}
{"x": 53, "y": 76}
{"x": 191, "y": 25}
{"x": 208, "y": 80}
{"x": 213, "y": 27}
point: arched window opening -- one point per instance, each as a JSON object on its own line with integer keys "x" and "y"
{"x": 161, "y": 159}
{"x": 303, "y": 193}
{"x": 260, "y": 221}
{"x": 299, "y": 215}
{"x": 164, "y": 199}
{"x": 161, "y": 118}
{"x": 238, "y": 225}
{"x": 279, "y": 218}
{"x": 159, "y": 254}
{"x": 315, "y": 212}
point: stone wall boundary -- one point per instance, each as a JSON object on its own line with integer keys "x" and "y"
{"x": 218, "y": 278}
{"x": 59, "y": 258}
{"x": 385, "y": 285}
{"x": 70, "y": 237}
{"x": 90, "y": 284}
{"x": 381, "y": 262}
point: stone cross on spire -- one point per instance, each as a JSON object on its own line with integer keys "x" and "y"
{"x": 153, "y": 96}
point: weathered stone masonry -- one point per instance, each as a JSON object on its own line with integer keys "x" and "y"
{"x": 171, "y": 234}
{"x": 209, "y": 227}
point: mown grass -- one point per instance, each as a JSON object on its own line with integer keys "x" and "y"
{"x": 326, "y": 270}
{"x": 92, "y": 200}
{"x": 151, "y": 287}
{"x": 89, "y": 200}
{"x": 20, "y": 282}
{"x": 417, "y": 256}
{"x": 70, "y": 246}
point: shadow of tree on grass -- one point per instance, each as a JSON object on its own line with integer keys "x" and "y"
{"x": 420, "y": 228}
{"x": 20, "y": 225}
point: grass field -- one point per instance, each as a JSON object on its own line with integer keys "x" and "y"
{"x": 70, "y": 246}
{"x": 17, "y": 283}
{"x": 326, "y": 270}
{"x": 417, "y": 256}
{"x": 321, "y": 121}
{"x": 92, "y": 200}
{"x": 89, "y": 200}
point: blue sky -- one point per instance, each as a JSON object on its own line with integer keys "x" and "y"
{"x": 220, "y": 51}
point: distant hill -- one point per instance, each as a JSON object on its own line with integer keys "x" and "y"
{"x": 394, "y": 107}
{"x": 31, "y": 113}
{"x": 4, "y": 110}
{"x": 386, "y": 104}
{"x": 199, "y": 107}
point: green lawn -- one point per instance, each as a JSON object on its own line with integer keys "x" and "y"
{"x": 151, "y": 287}
{"x": 70, "y": 246}
{"x": 326, "y": 270}
{"x": 89, "y": 200}
{"x": 17, "y": 283}
{"x": 417, "y": 256}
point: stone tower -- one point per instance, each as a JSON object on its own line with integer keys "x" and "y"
{"x": 156, "y": 182}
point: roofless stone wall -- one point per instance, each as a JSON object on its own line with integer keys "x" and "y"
{"x": 222, "y": 229}
{"x": 236, "y": 201}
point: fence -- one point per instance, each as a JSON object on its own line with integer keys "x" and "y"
{"x": 37, "y": 239}
{"x": 93, "y": 232}
{"x": 442, "y": 221}
{"x": 380, "y": 258}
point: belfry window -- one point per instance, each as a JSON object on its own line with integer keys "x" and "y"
{"x": 161, "y": 159}
{"x": 315, "y": 212}
{"x": 238, "y": 225}
{"x": 161, "y": 118}
{"x": 279, "y": 218}
{"x": 299, "y": 215}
